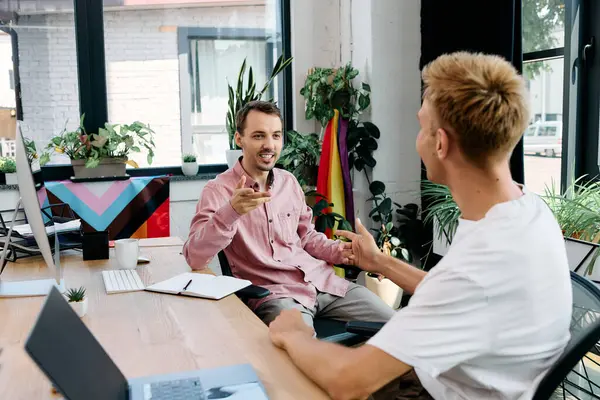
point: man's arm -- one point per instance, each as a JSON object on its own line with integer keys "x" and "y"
{"x": 212, "y": 229}
{"x": 367, "y": 256}
{"x": 344, "y": 373}
{"x": 215, "y": 223}
{"x": 402, "y": 274}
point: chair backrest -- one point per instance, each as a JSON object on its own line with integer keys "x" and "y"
{"x": 225, "y": 268}
{"x": 585, "y": 334}
{"x": 580, "y": 254}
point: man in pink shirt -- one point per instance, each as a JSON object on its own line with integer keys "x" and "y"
{"x": 257, "y": 214}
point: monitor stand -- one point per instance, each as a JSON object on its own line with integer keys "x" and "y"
{"x": 34, "y": 287}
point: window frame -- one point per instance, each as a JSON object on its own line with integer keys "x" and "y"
{"x": 184, "y": 35}
{"x": 91, "y": 75}
{"x": 547, "y": 55}
{"x": 581, "y": 91}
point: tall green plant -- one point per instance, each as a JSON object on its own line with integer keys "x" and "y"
{"x": 245, "y": 92}
{"x": 442, "y": 209}
{"x": 577, "y": 210}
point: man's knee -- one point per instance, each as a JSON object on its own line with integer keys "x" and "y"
{"x": 377, "y": 309}
{"x": 269, "y": 310}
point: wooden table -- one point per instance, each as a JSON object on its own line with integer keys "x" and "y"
{"x": 146, "y": 333}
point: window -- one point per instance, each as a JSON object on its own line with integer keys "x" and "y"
{"x": 39, "y": 80}
{"x": 168, "y": 65}
{"x": 543, "y": 69}
{"x": 214, "y": 58}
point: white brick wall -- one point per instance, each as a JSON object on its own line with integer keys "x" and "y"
{"x": 47, "y": 66}
{"x": 142, "y": 69}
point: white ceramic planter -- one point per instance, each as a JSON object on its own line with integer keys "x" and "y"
{"x": 385, "y": 289}
{"x": 80, "y": 307}
{"x": 232, "y": 157}
{"x": 189, "y": 168}
{"x": 11, "y": 178}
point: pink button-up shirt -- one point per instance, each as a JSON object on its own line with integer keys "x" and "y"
{"x": 274, "y": 246}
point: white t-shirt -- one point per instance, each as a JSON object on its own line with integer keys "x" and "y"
{"x": 490, "y": 319}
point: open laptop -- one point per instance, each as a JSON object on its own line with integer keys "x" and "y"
{"x": 71, "y": 357}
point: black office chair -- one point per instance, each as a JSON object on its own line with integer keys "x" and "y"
{"x": 327, "y": 329}
{"x": 568, "y": 377}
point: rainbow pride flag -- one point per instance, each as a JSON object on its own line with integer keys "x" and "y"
{"x": 333, "y": 179}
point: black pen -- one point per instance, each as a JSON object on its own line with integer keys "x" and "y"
{"x": 186, "y": 286}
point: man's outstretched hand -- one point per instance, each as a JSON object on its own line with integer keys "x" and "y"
{"x": 246, "y": 199}
{"x": 346, "y": 250}
{"x": 364, "y": 249}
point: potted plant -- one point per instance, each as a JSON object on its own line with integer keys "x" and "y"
{"x": 384, "y": 288}
{"x": 189, "y": 166}
{"x": 391, "y": 240}
{"x": 300, "y": 156}
{"x": 243, "y": 94}
{"x": 105, "y": 153}
{"x": 577, "y": 211}
{"x": 328, "y": 89}
{"x": 78, "y": 300}
{"x": 9, "y": 168}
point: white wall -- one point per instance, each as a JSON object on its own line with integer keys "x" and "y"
{"x": 316, "y": 42}
{"x": 382, "y": 40}
{"x": 7, "y": 94}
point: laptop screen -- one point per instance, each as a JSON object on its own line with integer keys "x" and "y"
{"x": 70, "y": 356}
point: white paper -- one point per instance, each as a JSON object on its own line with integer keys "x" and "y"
{"x": 25, "y": 230}
{"x": 202, "y": 285}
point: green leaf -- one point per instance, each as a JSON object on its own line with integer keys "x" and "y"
{"x": 370, "y": 144}
{"x": 364, "y": 102}
{"x": 388, "y": 227}
{"x": 369, "y": 161}
{"x": 330, "y": 221}
{"x": 366, "y": 87}
{"x": 372, "y": 129}
{"x": 405, "y": 254}
{"x": 386, "y": 206}
{"x": 321, "y": 224}
{"x": 395, "y": 241}
{"x": 377, "y": 188}
{"x": 320, "y": 206}
{"x": 345, "y": 226}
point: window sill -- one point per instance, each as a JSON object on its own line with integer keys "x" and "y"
{"x": 65, "y": 172}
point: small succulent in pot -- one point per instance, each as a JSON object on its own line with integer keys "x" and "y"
{"x": 78, "y": 300}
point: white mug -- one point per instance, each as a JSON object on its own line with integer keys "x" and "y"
{"x": 127, "y": 252}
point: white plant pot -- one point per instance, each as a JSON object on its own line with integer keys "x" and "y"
{"x": 386, "y": 290}
{"x": 189, "y": 168}
{"x": 232, "y": 157}
{"x": 80, "y": 307}
{"x": 11, "y": 178}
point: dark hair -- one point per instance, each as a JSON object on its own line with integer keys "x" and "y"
{"x": 265, "y": 107}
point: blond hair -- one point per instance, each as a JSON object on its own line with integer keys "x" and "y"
{"x": 481, "y": 99}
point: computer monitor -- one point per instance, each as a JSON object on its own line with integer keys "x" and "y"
{"x": 33, "y": 211}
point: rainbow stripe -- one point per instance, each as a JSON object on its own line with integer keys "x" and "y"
{"x": 334, "y": 175}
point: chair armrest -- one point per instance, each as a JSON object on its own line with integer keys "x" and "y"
{"x": 253, "y": 292}
{"x": 364, "y": 328}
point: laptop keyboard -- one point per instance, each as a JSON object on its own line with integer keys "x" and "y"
{"x": 181, "y": 389}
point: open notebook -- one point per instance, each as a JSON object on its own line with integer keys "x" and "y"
{"x": 200, "y": 285}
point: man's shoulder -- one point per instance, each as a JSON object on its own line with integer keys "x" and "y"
{"x": 284, "y": 174}
{"x": 224, "y": 182}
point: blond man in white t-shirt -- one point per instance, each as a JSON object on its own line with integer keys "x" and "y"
{"x": 491, "y": 318}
